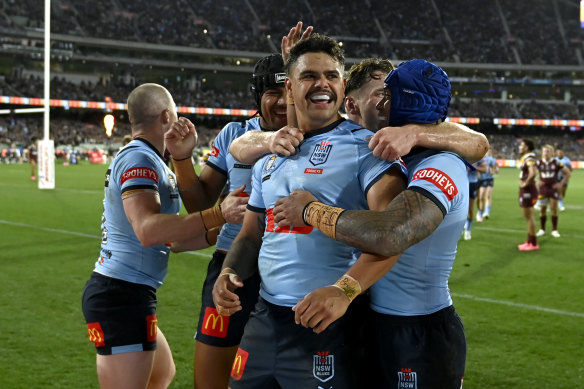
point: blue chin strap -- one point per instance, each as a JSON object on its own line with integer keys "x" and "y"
{"x": 420, "y": 93}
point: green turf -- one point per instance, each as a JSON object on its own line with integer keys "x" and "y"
{"x": 523, "y": 312}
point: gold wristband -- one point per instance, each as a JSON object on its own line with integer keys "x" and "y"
{"x": 212, "y": 217}
{"x": 350, "y": 286}
{"x": 324, "y": 217}
{"x": 211, "y": 236}
{"x": 226, "y": 271}
{"x": 185, "y": 171}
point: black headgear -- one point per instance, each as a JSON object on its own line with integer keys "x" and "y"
{"x": 268, "y": 73}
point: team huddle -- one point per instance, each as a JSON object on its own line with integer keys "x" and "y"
{"x": 334, "y": 245}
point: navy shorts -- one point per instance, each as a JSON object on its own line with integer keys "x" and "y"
{"x": 473, "y": 189}
{"x": 120, "y": 315}
{"x": 275, "y": 352}
{"x": 487, "y": 182}
{"x": 224, "y": 331}
{"x": 426, "y": 351}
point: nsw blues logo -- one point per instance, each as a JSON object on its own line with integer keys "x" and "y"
{"x": 407, "y": 379}
{"x": 321, "y": 153}
{"x": 323, "y": 366}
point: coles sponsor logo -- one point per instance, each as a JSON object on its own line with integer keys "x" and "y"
{"x": 215, "y": 324}
{"x": 151, "y": 328}
{"x": 239, "y": 364}
{"x": 140, "y": 172}
{"x": 438, "y": 178}
{"x": 95, "y": 334}
{"x": 310, "y": 170}
{"x": 215, "y": 152}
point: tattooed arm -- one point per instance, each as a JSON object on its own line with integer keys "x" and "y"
{"x": 240, "y": 263}
{"x": 410, "y": 218}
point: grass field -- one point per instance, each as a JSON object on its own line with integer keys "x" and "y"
{"x": 523, "y": 312}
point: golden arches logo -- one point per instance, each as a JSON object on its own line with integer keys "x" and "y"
{"x": 236, "y": 362}
{"x": 94, "y": 335}
{"x": 215, "y": 318}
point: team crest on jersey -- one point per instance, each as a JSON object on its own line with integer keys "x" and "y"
{"x": 215, "y": 152}
{"x": 321, "y": 153}
{"x": 323, "y": 366}
{"x": 407, "y": 379}
{"x": 270, "y": 164}
{"x": 172, "y": 182}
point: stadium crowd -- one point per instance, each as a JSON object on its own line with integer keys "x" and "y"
{"x": 439, "y": 30}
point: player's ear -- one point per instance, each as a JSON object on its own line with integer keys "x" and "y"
{"x": 351, "y": 106}
{"x": 165, "y": 116}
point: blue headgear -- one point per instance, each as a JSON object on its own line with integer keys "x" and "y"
{"x": 420, "y": 93}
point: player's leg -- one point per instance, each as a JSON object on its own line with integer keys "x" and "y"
{"x": 254, "y": 363}
{"x": 125, "y": 371}
{"x": 553, "y": 201}
{"x": 422, "y": 351}
{"x": 164, "y": 369}
{"x": 121, "y": 322}
{"x": 212, "y": 366}
{"x": 218, "y": 337}
{"x": 332, "y": 358}
{"x": 527, "y": 209}
{"x": 480, "y": 203}
{"x": 489, "y": 201}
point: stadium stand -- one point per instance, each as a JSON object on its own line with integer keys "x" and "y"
{"x": 503, "y": 69}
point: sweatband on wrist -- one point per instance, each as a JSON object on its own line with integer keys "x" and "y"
{"x": 324, "y": 217}
{"x": 212, "y": 217}
{"x": 350, "y": 286}
{"x": 211, "y": 236}
{"x": 226, "y": 271}
{"x": 185, "y": 171}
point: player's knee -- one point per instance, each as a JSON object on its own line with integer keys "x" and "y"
{"x": 164, "y": 378}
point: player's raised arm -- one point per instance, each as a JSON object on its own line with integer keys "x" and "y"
{"x": 253, "y": 145}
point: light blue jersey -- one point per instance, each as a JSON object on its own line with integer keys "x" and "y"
{"x": 418, "y": 282}
{"x": 490, "y": 163}
{"x": 336, "y": 165}
{"x": 138, "y": 167}
{"x": 567, "y": 162}
{"x": 238, "y": 173}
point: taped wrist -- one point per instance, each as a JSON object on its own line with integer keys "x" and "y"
{"x": 324, "y": 217}
{"x": 185, "y": 171}
{"x": 226, "y": 271}
{"x": 211, "y": 236}
{"x": 350, "y": 286}
{"x": 212, "y": 217}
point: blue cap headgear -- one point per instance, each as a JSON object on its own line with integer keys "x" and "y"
{"x": 420, "y": 93}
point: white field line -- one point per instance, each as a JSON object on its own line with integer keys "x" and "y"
{"x": 56, "y": 230}
{"x": 518, "y": 305}
{"x": 465, "y": 296}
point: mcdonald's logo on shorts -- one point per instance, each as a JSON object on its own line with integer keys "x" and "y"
{"x": 95, "y": 334}
{"x": 239, "y": 364}
{"x": 151, "y": 328}
{"x": 215, "y": 324}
